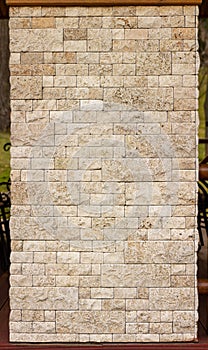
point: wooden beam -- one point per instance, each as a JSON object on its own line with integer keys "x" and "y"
{"x": 100, "y": 2}
{"x": 4, "y": 13}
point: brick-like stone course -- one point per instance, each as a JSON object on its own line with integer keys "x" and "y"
{"x": 104, "y": 115}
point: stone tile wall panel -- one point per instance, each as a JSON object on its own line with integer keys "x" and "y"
{"x": 103, "y": 110}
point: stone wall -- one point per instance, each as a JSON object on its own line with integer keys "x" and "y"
{"x": 104, "y": 122}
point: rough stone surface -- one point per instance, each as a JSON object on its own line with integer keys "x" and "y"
{"x": 104, "y": 115}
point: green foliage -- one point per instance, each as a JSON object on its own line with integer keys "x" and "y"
{"x": 4, "y": 157}
{"x": 203, "y": 83}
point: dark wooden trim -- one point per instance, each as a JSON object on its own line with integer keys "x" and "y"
{"x": 203, "y": 286}
{"x": 100, "y": 2}
{"x": 4, "y": 12}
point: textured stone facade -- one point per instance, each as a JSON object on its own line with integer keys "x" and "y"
{"x": 104, "y": 120}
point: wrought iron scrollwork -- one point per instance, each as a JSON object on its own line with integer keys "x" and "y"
{"x": 5, "y": 204}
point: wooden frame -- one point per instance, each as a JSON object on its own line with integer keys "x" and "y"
{"x": 100, "y": 2}
{"x": 4, "y": 13}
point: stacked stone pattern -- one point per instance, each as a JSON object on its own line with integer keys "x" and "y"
{"x": 103, "y": 152}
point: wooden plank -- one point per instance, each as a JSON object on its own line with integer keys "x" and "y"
{"x": 203, "y": 286}
{"x": 4, "y": 13}
{"x": 100, "y": 2}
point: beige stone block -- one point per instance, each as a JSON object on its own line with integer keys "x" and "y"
{"x": 42, "y": 105}
{"x": 185, "y": 104}
{"x": 99, "y": 45}
{"x": 67, "y": 281}
{"x": 47, "y": 81}
{"x": 141, "y": 98}
{"x": 169, "y": 80}
{"x": 148, "y": 316}
{"x": 26, "y": 11}
{"x": 15, "y": 269}
{"x": 89, "y": 304}
{"x": 189, "y": 80}
{"x": 21, "y": 257}
{"x": 84, "y": 293}
{"x": 143, "y": 11}
{"x": 90, "y": 22}
{"x": 18, "y": 280}
{"x": 68, "y": 257}
{"x": 166, "y": 316}
{"x": 32, "y": 315}
{"x": 75, "y": 45}
{"x": 54, "y": 93}
{"x": 108, "y": 58}
{"x": 159, "y": 33}
{"x": 190, "y": 45}
{"x": 44, "y": 327}
{"x": 44, "y": 338}
{"x": 91, "y": 258}
{"x": 81, "y": 246}
{"x": 131, "y": 275}
{"x": 183, "y": 33}
{"x": 161, "y": 327}
{"x": 117, "y": 33}
{"x": 150, "y": 22}
{"x": 75, "y": 34}
{"x": 92, "y": 81}
{"x": 136, "y": 34}
{"x": 113, "y": 258}
{"x": 125, "y": 22}
{"x": 34, "y": 246}
{"x": 71, "y": 69}
{"x": 143, "y": 293}
{"x": 49, "y": 315}
{"x": 162, "y": 252}
{"x": 26, "y": 87}
{"x": 64, "y": 81}
{"x": 137, "y": 328}
{"x": 67, "y": 22}
{"x": 186, "y": 93}
{"x": 118, "y": 304}
{"x": 41, "y": 257}
{"x": 182, "y": 281}
{"x": 102, "y": 293}
{"x": 90, "y": 322}
{"x": 168, "y": 299}
{"x": 88, "y": 57}
{"x": 124, "y": 338}
{"x": 25, "y": 327}
{"x": 183, "y": 322}
{"x": 53, "y": 11}
{"x": 124, "y": 69}
{"x": 84, "y": 338}
{"x": 171, "y": 45}
{"x": 33, "y": 269}
{"x": 177, "y": 337}
{"x": 43, "y": 281}
{"x": 52, "y": 298}
{"x": 38, "y": 40}
{"x": 16, "y": 246}
{"x": 153, "y": 63}
{"x": 15, "y": 174}
{"x": 137, "y": 304}
{"x": 14, "y": 58}
{"x": 64, "y": 57}
{"x": 90, "y": 281}
{"x": 190, "y": 21}
{"x": 57, "y": 246}
{"x": 159, "y": 234}
{"x": 20, "y": 23}
{"x": 44, "y": 22}
{"x": 101, "y": 338}
{"x": 15, "y": 315}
